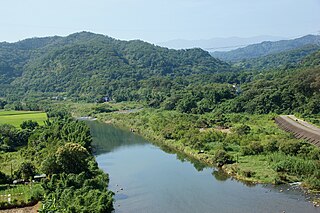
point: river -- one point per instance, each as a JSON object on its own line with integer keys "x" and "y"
{"x": 146, "y": 178}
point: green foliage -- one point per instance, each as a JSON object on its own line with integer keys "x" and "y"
{"x": 221, "y": 157}
{"x": 290, "y": 147}
{"x": 77, "y": 193}
{"x": 11, "y": 138}
{"x": 26, "y": 171}
{"x": 21, "y": 195}
{"x": 29, "y": 124}
{"x": 87, "y": 67}
{"x": 242, "y": 129}
{"x": 60, "y": 149}
{"x": 72, "y": 158}
{"x": 2, "y": 103}
{"x": 253, "y": 148}
{"x": 288, "y": 92}
{"x": 4, "y": 179}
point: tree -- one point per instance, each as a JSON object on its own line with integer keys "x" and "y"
{"x": 221, "y": 157}
{"x": 49, "y": 166}
{"x": 72, "y": 158}
{"x": 26, "y": 170}
{"x": 242, "y": 129}
{"x": 4, "y": 179}
{"x": 29, "y": 124}
{"x": 2, "y": 103}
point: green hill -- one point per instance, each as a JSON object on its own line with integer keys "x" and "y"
{"x": 86, "y": 65}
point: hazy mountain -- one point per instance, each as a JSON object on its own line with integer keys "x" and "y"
{"x": 267, "y": 48}
{"x": 217, "y": 43}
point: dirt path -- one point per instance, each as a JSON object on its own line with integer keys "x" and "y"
{"x": 30, "y": 209}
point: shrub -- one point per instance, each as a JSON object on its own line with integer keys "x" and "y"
{"x": 253, "y": 148}
{"x": 314, "y": 183}
{"x": 242, "y": 129}
{"x": 221, "y": 157}
{"x": 271, "y": 146}
{"x": 26, "y": 171}
{"x": 29, "y": 124}
{"x": 4, "y": 179}
{"x": 248, "y": 173}
{"x": 290, "y": 147}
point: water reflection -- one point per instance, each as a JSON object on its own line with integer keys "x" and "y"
{"x": 111, "y": 138}
{"x": 220, "y": 175}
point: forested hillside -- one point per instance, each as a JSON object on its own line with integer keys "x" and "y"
{"x": 87, "y": 66}
{"x": 267, "y": 48}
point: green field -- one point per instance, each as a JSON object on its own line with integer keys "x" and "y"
{"x": 15, "y": 118}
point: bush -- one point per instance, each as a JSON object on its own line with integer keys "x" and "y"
{"x": 221, "y": 157}
{"x": 314, "y": 183}
{"x": 271, "y": 146}
{"x": 26, "y": 171}
{"x": 242, "y": 129}
{"x": 29, "y": 125}
{"x": 253, "y": 148}
{"x": 290, "y": 147}
{"x": 248, "y": 173}
{"x": 4, "y": 179}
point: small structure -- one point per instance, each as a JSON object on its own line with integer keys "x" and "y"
{"x": 37, "y": 178}
{"x": 18, "y": 181}
{"x": 237, "y": 88}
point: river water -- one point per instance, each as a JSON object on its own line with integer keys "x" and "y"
{"x": 146, "y": 178}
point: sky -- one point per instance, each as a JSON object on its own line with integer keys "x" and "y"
{"x": 159, "y": 20}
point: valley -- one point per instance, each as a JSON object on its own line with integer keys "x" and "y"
{"x": 214, "y": 114}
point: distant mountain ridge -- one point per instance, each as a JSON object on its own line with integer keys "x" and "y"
{"x": 283, "y": 60}
{"x": 223, "y": 44}
{"x": 266, "y": 48}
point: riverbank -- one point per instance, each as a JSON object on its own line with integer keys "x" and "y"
{"x": 256, "y": 150}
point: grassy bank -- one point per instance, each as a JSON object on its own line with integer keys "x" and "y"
{"x": 248, "y": 147}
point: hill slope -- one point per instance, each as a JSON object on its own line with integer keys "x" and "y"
{"x": 267, "y": 48}
{"x": 85, "y": 64}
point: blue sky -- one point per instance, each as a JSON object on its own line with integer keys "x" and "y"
{"x": 159, "y": 20}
